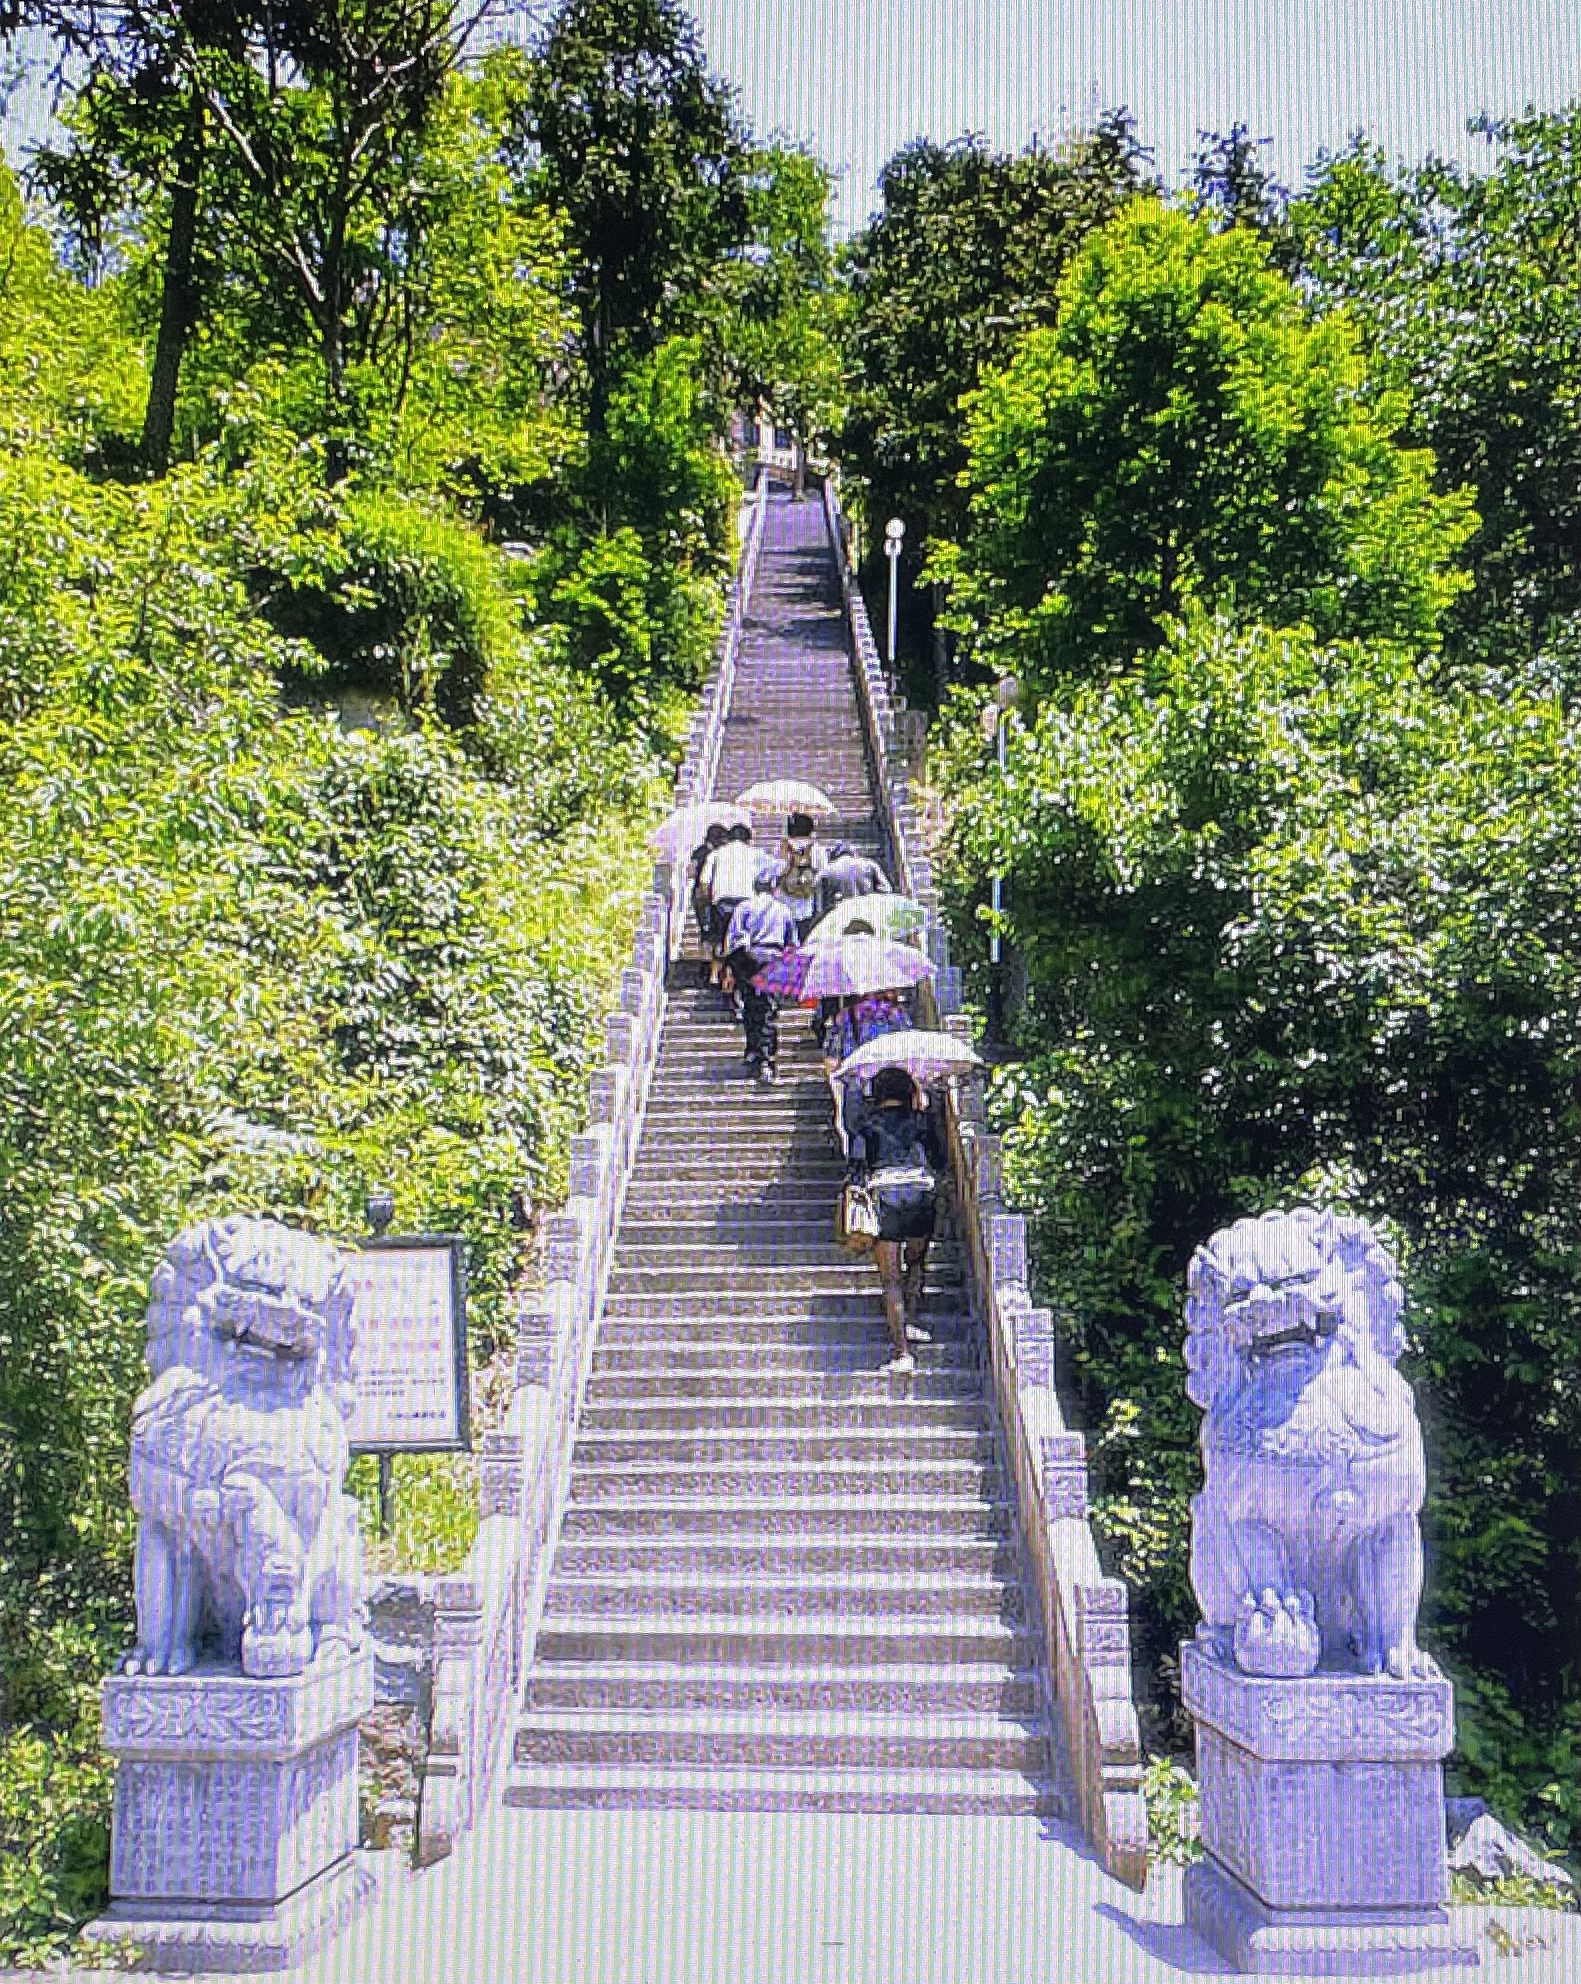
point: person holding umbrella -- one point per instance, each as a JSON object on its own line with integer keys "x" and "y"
{"x": 761, "y": 930}
{"x": 850, "y": 1024}
{"x": 898, "y": 1153}
{"x": 847, "y": 874}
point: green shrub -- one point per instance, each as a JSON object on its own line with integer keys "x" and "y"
{"x": 55, "y": 1798}
{"x": 1173, "y": 1826}
{"x": 410, "y": 604}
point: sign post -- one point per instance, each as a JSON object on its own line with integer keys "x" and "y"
{"x": 413, "y": 1384}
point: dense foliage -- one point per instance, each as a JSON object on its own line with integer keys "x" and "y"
{"x": 1183, "y": 433}
{"x": 964, "y": 255}
{"x": 327, "y": 809}
{"x": 1290, "y": 826}
{"x": 1463, "y": 288}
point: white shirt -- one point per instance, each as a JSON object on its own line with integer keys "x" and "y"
{"x": 732, "y": 870}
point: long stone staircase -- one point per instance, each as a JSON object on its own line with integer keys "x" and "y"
{"x": 785, "y": 1579}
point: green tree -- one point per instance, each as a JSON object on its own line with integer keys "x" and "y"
{"x": 141, "y": 134}
{"x": 643, "y": 151}
{"x": 964, "y": 256}
{"x": 780, "y": 329}
{"x": 1462, "y": 285}
{"x": 456, "y": 337}
{"x": 279, "y": 145}
{"x": 1301, "y": 921}
{"x": 1230, "y": 184}
{"x": 1185, "y": 433}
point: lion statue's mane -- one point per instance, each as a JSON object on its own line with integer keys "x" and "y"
{"x": 247, "y": 1549}
{"x": 1306, "y": 1548}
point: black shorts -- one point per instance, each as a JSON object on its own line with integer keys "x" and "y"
{"x": 906, "y": 1212}
{"x": 719, "y": 919}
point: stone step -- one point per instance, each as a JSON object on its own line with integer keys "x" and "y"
{"x": 625, "y": 1382}
{"x": 826, "y": 1594}
{"x": 719, "y": 1316}
{"x": 813, "y": 1180}
{"x": 757, "y": 1167}
{"x": 790, "y": 1740}
{"x": 788, "y": 1556}
{"x": 749, "y": 1519}
{"x": 794, "y": 1640}
{"x": 806, "y": 1201}
{"x": 721, "y": 1270}
{"x": 764, "y": 1446}
{"x": 736, "y": 1222}
{"x": 1006, "y": 1794}
{"x": 629, "y": 1688}
{"x": 768, "y": 1479}
{"x": 791, "y": 1416}
{"x": 645, "y": 1266}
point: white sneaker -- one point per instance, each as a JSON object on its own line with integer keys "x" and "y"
{"x": 916, "y": 1335}
{"x": 902, "y": 1367}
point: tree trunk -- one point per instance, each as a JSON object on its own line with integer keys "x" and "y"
{"x": 941, "y": 642}
{"x": 798, "y": 469}
{"x": 332, "y": 281}
{"x": 178, "y": 303}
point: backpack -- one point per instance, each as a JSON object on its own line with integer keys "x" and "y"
{"x": 799, "y": 874}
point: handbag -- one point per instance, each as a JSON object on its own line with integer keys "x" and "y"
{"x": 856, "y": 1219}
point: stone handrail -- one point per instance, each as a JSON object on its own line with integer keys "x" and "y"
{"x": 486, "y": 1615}
{"x": 1085, "y": 1616}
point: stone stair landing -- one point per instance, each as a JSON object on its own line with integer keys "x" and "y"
{"x": 786, "y": 1579}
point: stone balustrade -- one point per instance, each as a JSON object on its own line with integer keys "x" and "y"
{"x": 1084, "y": 1614}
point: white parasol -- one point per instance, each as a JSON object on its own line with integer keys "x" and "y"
{"x": 786, "y": 795}
{"x": 889, "y": 916}
{"x": 926, "y": 1057}
{"x": 678, "y": 834}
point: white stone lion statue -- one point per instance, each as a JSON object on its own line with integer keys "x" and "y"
{"x": 247, "y": 1548}
{"x": 1305, "y": 1547}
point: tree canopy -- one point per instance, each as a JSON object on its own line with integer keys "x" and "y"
{"x": 644, "y": 153}
{"x": 1186, "y": 433}
{"x": 963, "y": 257}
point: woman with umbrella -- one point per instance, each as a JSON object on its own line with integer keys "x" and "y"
{"x": 898, "y": 1152}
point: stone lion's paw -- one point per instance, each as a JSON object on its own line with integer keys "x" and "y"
{"x": 1277, "y": 1634}
{"x": 1409, "y": 1663}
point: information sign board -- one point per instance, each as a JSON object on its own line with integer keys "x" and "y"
{"x": 412, "y": 1382}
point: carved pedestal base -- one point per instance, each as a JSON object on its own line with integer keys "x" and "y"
{"x": 235, "y": 1830}
{"x": 1322, "y": 1821}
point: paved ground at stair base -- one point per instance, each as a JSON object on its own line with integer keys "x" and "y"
{"x": 789, "y": 1898}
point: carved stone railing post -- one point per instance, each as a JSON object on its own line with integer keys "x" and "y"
{"x": 452, "y": 1749}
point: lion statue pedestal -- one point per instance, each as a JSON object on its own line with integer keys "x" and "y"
{"x": 1321, "y": 1725}
{"x": 234, "y": 1720}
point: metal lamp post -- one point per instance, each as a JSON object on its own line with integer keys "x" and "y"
{"x": 894, "y": 536}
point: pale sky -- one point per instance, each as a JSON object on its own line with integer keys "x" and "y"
{"x": 858, "y": 78}
{"x": 861, "y": 77}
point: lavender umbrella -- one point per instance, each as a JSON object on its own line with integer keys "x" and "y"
{"x": 845, "y": 970}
